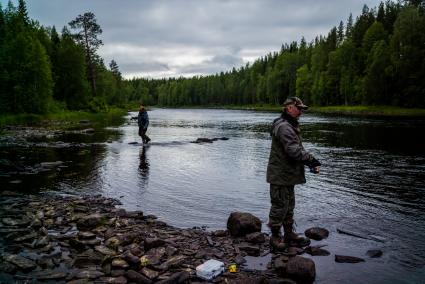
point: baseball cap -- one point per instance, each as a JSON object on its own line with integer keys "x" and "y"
{"x": 295, "y": 101}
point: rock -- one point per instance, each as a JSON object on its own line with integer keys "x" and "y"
{"x": 300, "y": 269}
{"x": 86, "y": 235}
{"x": 113, "y": 242}
{"x": 280, "y": 264}
{"x": 87, "y": 259}
{"x": 119, "y": 263}
{"x": 51, "y": 275}
{"x": 26, "y": 237}
{"x": 113, "y": 280}
{"x": 90, "y": 274}
{"x": 21, "y": 262}
{"x": 176, "y": 278}
{"x": 153, "y": 243}
{"x": 84, "y": 121}
{"x": 131, "y": 258}
{"x": 149, "y": 273}
{"x": 88, "y": 130}
{"x": 51, "y": 164}
{"x": 250, "y": 249}
{"x": 8, "y": 267}
{"x": 348, "y": 259}
{"x": 317, "y": 233}
{"x": 117, "y": 272}
{"x": 170, "y": 250}
{"x": 137, "y": 277}
{"x": 16, "y": 222}
{"x": 255, "y": 238}
{"x": 239, "y": 259}
{"x": 374, "y": 253}
{"x": 90, "y": 221}
{"x": 240, "y": 224}
{"x": 316, "y": 251}
{"x": 219, "y": 233}
{"x": 172, "y": 262}
{"x": 203, "y": 140}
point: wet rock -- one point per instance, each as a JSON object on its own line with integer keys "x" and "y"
{"x": 239, "y": 259}
{"x": 50, "y": 275}
{"x": 8, "y": 267}
{"x": 176, "y": 278}
{"x": 149, "y": 273}
{"x": 117, "y": 272}
{"x": 87, "y": 259}
{"x": 137, "y": 277}
{"x": 348, "y": 259}
{"x": 41, "y": 242}
{"x": 250, "y": 249}
{"x": 26, "y": 238}
{"x": 219, "y": 233}
{"x": 86, "y": 235}
{"x": 88, "y": 131}
{"x": 170, "y": 250}
{"x": 113, "y": 242}
{"x": 172, "y": 262}
{"x": 300, "y": 269}
{"x": 119, "y": 263}
{"x": 90, "y": 221}
{"x": 374, "y": 253}
{"x": 280, "y": 264}
{"x": 21, "y": 262}
{"x": 16, "y": 222}
{"x": 240, "y": 224}
{"x": 153, "y": 243}
{"x": 203, "y": 140}
{"x": 317, "y": 233}
{"x": 255, "y": 238}
{"x": 89, "y": 274}
{"x": 316, "y": 251}
{"x": 51, "y": 164}
{"x": 113, "y": 280}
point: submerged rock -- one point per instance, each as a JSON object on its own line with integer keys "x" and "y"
{"x": 374, "y": 253}
{"x": 348, "y": 259}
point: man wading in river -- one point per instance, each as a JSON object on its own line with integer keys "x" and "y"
{"x": 284, "y": 171}
{"x": 143, "y": 122}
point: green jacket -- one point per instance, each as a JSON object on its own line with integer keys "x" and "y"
{"x": 287, "y": 154}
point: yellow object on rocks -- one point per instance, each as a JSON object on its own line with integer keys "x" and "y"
{"x": 233, "y": 267}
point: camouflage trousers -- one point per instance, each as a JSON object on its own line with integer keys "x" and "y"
{"x": 282, "y": 198}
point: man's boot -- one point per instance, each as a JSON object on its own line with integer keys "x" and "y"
{"x": 276, "y": 242}
{"x": 291, "y": 237}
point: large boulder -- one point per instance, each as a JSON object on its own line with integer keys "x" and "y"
{"x": 240, "y": 223}
{"x": 301, "y": 269}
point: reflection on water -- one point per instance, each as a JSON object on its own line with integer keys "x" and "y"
{"x": 372, "y": 180}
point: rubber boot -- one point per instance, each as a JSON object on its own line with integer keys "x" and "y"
{"x": 276, "y": 242}
{"x": 291, "y": 237}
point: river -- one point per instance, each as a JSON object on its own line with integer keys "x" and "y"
{"x": 372, "y": 180}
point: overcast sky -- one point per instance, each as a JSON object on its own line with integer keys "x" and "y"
{"x": 164, "y": 38}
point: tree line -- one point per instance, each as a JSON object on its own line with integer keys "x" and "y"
{"x": 42, "y": 70}
{"x": 376, "y": 59}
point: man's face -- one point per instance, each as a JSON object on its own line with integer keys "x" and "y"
{"x": 294, "y": 111}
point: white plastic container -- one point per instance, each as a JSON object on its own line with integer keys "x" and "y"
{"x": 210, "y": 269}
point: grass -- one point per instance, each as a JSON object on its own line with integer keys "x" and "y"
{"x": 62, "y": 116}
{"x": 371, "y": 111}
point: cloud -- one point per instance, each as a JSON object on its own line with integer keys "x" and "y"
{"x": 164, "y": 38}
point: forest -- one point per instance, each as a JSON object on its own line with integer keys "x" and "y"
{"x": 378, "y": 58}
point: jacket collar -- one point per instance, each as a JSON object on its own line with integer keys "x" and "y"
{"x": 293, "y": 121}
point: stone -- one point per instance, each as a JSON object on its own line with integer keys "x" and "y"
{"x": 90, "y": 221}
{"x": 240, "y": 224}
{"x": 374, "y": 253}
{"x": 21, "y": 262}
{"x": 86, "y": 235}
{"x": 255, "y": 238}
{"x": 149, "y": 273}
{"x": 119, "y": 263}
{"x": 131, "y": 258}
{"x": 87, "y": 259}
{"x": 105, "y": 250}
{"x": 170, "y": 250}
{"x": 280, "y": 264}
{"x": 136, "y": 277}
{"x": 348, "y": 259}
{"x": 239, "y": 259}
{"x": 113, "y": 242}
{"x": 51, "y": 275}
{"x": 113, "y": 280}
{"x": 301, "y": 269}
{"x": 317, "y": 233}
{"x": 176, "y": 278}
{"x": 150, "y": 243}
{"x": 16, "y": 222}
{"x": 316, "y": 251}
{"x": 219, "y": 233}
{"x": 90, "y": 274}
{"x": 250, "y": 249}
{"x": 172, "y": 262}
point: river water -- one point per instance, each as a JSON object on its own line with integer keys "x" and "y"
{"x": 372, "y": 181}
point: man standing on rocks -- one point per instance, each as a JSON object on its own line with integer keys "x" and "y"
{"x": 286, "y": 169}
{"x": 143, "y": 122}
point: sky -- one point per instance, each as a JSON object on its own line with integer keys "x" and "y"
{"x": 172, "y": 38}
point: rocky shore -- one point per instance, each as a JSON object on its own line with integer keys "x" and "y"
{"x": 71, "y": 239}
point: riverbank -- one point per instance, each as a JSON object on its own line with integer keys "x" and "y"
{"x": 63, "y": 116}
{"x": 78, "y": 239}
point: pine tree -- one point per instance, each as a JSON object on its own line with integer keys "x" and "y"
{"x": 87, "y": 36}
